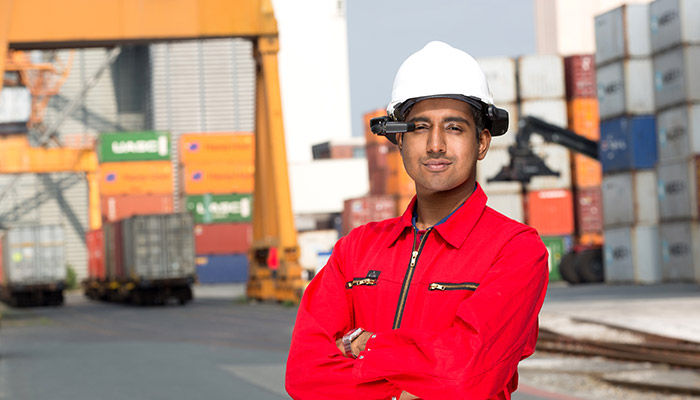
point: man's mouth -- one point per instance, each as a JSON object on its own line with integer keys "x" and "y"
{"x": 437, "y": 165}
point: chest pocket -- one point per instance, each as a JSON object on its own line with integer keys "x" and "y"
{"x": 442, "y": 286}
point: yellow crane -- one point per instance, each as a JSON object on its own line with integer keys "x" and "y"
{"x": 275, "y": 273}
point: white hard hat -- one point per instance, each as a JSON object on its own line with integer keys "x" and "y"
{"x": 440, "y": 70}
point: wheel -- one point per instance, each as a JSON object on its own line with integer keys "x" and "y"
{"x": 589, "y": 266}
{"x": 567, "y": 268}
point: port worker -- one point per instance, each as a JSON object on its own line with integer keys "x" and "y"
{"x": 441, "y": 302}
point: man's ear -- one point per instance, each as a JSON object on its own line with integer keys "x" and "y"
{"x": 484, "y": 143}
{"x": 399, "y": 140}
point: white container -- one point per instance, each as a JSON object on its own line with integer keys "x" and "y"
{"x": 557, "y": 158}
{"x": 675, "y": 76}
{"x": 508, "y": 204}
{"x": 646, "y": 201}
{"x": 32, "y": 255}
{"x": 541, "y": 77}
{"x": 513, "y": 118}
{"x": 500, "y": 74}
{"x": 553, "y": 111}
{"x": 622, "y": 33}
{"x": 680, "y": 250}
{"x": 625, "y": 87}
{"x": 631, "y": 254}
{"x": 15, "y": 104}
{"x": 618, "y": 200}
{"x": 678, "y": 189}
{"x": 489, "y": 167}
{"x": 673, "y": 22}
{"x": 678, "y": 131}
{"x": 313, "y": 247}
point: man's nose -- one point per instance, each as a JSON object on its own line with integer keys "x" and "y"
{"x": 436, "y": 140}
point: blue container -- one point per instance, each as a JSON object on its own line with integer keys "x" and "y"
{"x": 628, "y": 143}
{"x": 222, "y": 268}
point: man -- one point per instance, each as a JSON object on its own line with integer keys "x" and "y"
{"x": 442, "y": 302}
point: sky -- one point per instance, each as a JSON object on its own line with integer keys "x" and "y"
{"x": 381, "y": 34}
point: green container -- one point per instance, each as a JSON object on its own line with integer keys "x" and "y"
{"x": 134, "y": 146}
{"x": 215, "y": 208}
{"x": 557, "y": 247}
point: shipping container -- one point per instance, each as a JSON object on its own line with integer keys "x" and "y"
{"x": 628, "y": 143}
{"x": 15, "y": 104}
{"x": 500, "y": 74}
{"x": 583, "y": 117}
{"x": 379, "y": 181}
{"x": 399, "y": 182}
{"x": 32, "y": 255}
{"x": 222, "y": 268}
{"x": 217, "y": 147}
{"x": 370, "y": 138}
{"x": 119, "y": 207}
{"x": 134, "y": 146}
{"x": 541, "y": 77}
{"x": 96, "y": 256}
{"x": 680, "y": 251}
{"x": 674, "y": 22}
{"x": 558, "y": 160}
{"x": 675, "y": 76}
{"x": 366, "y": 209}
{"x": 678, "y": 132}
{"x": 224, "y": 238}
{"x": 113, "y": 250}
{"x": 159, "y": 246}
{"x": 629, "y": 198}
{"x": 579, "y": 71}
{"x": 622, "y": 33}
{"x": 136, "y": 177}
{"x": 543, "y": 204}
{"x": 217, "y": 208}
{"x": 46, "y": 160}
{"x": 631, "y": 254}
{"x": 377, "y": 154}
{"x": 313, "y": 247}
{"x": 678, "y": 189}
{"x": 218, "y": 178}
{"x": 586, "y": 171}
{"x": 626, "y": 87}
{"x": 508, "y": 204}
{"x": 557, "y": 247}
{"x": 548, "y": 110}
{"x": 489, "y": 167}
{"x": 589, "y": 210}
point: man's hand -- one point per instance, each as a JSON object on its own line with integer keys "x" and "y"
{"x": 357, "y": 346}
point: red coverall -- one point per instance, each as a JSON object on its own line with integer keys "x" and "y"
{"x": 453, "y": 313}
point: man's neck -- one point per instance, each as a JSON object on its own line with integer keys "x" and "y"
{"x": 432, "y": 207}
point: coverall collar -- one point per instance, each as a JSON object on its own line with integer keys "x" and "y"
{"x": 456, "y": 228}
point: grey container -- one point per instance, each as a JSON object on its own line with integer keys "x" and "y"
{"x": 625, "y": 88}
{"x": 675, "y": 76}
{"x": 631, "y": 254}
{"x": 630, "y": 198}
{"x": 33, "y": 255}
{"x": 678, "y": 132}
{"x": 541, "y": 77}
{"x": 622, "y": 33}
{"x": 500, "y": 74}
{"x": 159, "y": 246}
{"x": 673, "y": 22}
{"x": 680, "y": 251}
{"x": 678, "y": 190}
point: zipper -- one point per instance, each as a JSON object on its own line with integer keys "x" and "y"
{"x": 415, "y": 253}
{"x": 453, "y": 286}
{"x": 361, "y": 282}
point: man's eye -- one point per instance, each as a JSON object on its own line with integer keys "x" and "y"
{"x": 421, "y": 127}
{"x": 455, "y": 128}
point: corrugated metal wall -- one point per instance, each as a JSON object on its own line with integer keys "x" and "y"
{"x": 57, "y": 198}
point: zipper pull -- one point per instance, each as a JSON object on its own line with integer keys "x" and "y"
{"x": 414, "y": 256}
{"x": 437, "y": 286}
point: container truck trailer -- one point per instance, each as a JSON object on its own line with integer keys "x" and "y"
{"x": 32, "y": 265}
{"x": 145, "y": 259}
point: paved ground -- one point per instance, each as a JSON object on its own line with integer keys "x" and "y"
{"x": 219, "y": 347}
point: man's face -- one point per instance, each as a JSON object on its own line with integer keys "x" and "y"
{"x": 441, "y": 154}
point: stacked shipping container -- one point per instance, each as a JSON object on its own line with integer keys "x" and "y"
{"x": 675, "y": 44}
{"x": 624, "y": 77}
{"x": 217, "y": 181}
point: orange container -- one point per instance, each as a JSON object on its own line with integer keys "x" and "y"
{"x": 398, "y": 183}
{"x": 115, "y": 208}
{"x": 371, "y": 138}
{"x": 551, "y": 212}
{"x": 217, "y": 147}
{"x": 17, "y": 159}
{"x": 586, "y": 171}
{"x": 218, "y": 178}
{"x": 136, "y": 177}
{"x": 584, "y": 118}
